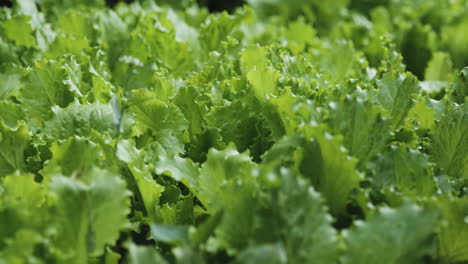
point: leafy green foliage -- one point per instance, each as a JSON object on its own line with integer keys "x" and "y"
{"x": 300, "y": 131}
{"x": 395, "y": 95}
{"x": 296, "y": 208}
{"x": 331, "y": 170}
{"x": 19, "y": 24}
{"x": 393, "y": 246}
{"x": 450, "y": 140}
{"x": 453, "y": 235}
{"x": 97, "y": 206}
{"x": 13, "y": 142}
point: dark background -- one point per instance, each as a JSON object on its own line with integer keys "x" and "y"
{"x": 220, "y": 5}
{"x": 6, "y": 3}
{"x": 212, "y": 5}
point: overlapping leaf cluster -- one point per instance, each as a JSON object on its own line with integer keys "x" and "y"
{"x": 297, "y": 131}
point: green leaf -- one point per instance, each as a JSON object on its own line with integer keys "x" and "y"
{"x": 226, "y": 182}
{"x": 11, "y": 113}
{"x": 342, "y": 63}
{"x": 364, "y": 130}
{"x": 10, "y": 83}
{"x": 402, "y": 235}
{"x": 19, "y": 30}
{"x": 169, "y": 233}
{"x": 256, "y": 67}
{"x": 454, "y": 35}
{"x": 299, "y": 34}
{"x": 238, "y": 122}
{"x": 216, "y": 29}
{"x": 97, "y": 206}
{"x": 81, "y": 120}
{"x": 176, "y": 209}
{"x": 450, "y": 142}
{"x": 326, "y": 162}
{"x": 76, "y": 23}
{"x": 459, "y": 89}
{"x": 148, "y": 189}
{"x": 13, "y": 142}
{"x": 44, "y": 89}
{"x": 68, "y": 4}
{"x": 263, "y": 81}
{"x": 395, "y": 95}
{"x": 185, "y": 254}
{"x": 281, "y": 114}
{"x": 222, "y": 167}
{"x": 423, "y": 114}
{"x": 66, "y": 45}
{"x": 206, "y": 229}
{"x": 111, "y": 257}
{"x": 74, "y": 76}
{"x": 439, "y": 68}
{"x": 112, "y": 34}
{"x": 180, "y": 169}
{"x": 143, "y": 255}
{"x": 72, "y": 156}
{"x": 156, "y": 115}
{"x": 253, "y": 57}
{"x": 453, "y": 234}
{"x": 192, "y": 109}
{"x": 155, "y": 34}
{"x": 280, "y": 152}
{"x": 23, "y": 205}
{"x": 23, "y": 192}
{"x": 323, "y": 160}
{"x": 405, "y": 168}
{"x": 293, "y": 209}
{"x": 20, "y": 249}
{"x": 267, "y": 253}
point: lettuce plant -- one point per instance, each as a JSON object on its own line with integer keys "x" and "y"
{"x": 305, "y": 131}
